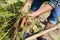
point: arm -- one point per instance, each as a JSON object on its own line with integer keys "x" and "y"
{"x": 41, "y": 10}
{"x": 44, "y": 9}
{"x": 52, "y": 4}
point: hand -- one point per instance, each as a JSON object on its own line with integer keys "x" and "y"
{"x": 29, "y": 0}
{"x": 25, "y": 8}
{"x": 33, "y": 15}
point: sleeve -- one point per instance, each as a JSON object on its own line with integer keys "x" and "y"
{"x": 53, "y": 3}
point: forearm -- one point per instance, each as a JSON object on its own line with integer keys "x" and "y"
{"x": 26, "y": 6}
{"x": 44, "y": 9}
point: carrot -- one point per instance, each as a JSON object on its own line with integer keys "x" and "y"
{"x": 23, "y": 22}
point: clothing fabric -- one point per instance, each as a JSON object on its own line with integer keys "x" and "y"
{"x": 55, "y": 13}
{"x": 54, "y": 3}
{"x": 36, "y": 4}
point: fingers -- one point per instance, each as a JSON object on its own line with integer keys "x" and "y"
{"x": 24, "y": 9}
{"x": 31, "y": 16}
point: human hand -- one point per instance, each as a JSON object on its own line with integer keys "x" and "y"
{"x": 26, "y": 7}
{"x": 32, "y": 15}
